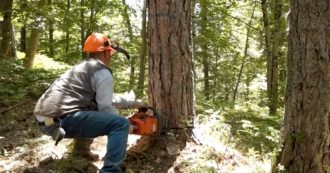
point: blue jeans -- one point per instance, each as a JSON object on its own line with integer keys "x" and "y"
{"x": 91, "y": 124}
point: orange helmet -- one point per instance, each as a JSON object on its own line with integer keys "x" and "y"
{"x": 97, "y": 42}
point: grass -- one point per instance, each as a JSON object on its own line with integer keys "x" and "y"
{"x": 246, "y": 128}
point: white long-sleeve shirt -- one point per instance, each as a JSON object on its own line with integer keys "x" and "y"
{"x": 103, "y": 84}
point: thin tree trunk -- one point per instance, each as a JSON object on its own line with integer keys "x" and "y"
{"x": 13, "y": 45}
{"x": 91, "y": 19}
{"x": 82, "y": 26}
{"x": 193, "y": 36}
{"x": 51, "y": 34}
{"x": 215, "y": 78}
{"x": 23, "y": 39}
{"x": 67, "y": 30}
{"x": 272, "y": 72}
{"x": 245, "y": 54}
{"x": 131, "y": 39}
{"x": 306, "y": 133}
{"x": 204, "y": 53}
{"x": 268, "y": 52}
{"x": 6, "y": 28}
{"x": 143, "y": 51}
{"x": 23, "y": 29}
{"x": 171, "y": 89}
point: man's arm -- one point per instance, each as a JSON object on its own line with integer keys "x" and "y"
{"x": 126, "y": 101}
{"x": 102, "y": 82}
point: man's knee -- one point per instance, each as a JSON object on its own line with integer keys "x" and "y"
{"x": 125, "y": 123}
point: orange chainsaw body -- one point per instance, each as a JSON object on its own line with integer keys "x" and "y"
{"x": 144, "y": 124}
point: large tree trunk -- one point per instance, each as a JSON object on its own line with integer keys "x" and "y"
{"x": 6, "y": 30}
{"x": 143, "y": 51}
{"x": 306, "y": 132}
{"x": 171, "y": 89}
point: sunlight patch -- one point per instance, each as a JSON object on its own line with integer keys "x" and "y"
{"x": 42, "y": 61}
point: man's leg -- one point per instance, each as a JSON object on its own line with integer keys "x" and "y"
{"x": 90, "y": 124}
{"x": 82, "y": 148}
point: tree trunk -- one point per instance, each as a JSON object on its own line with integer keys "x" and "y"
{"x": 270, "y": 67}
{"x": 23, "y": 29}
{"x": 171, "y": 88}
{"x": 306, "y": 132}
{"x": 67, "y": 31}
{"x": 131, "y": 39}
{"x": 51, "y": 34}
{"x": 13, "y": 44}
{"x": 23, "y": 39}
{"x": 204, "y": 53}
{"x": 32, "y": 47}
{"x": 272, "y": 63}
{"x": 33, "y": 41}
{"x": 143, "y": 51}
{"x": 82, "y": 27}
{"x": 245, "y": 55}
{"x": 6, "y": 28}
{"x": 91, "y": 18}
{"x": 216, "y": 74}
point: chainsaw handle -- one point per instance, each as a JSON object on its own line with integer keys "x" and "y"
{"x": 144, "y": 109}
{"x": 120, "y": 49}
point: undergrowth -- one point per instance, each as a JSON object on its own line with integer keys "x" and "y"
{"x": 17, "y": 82}
{"x": 245, "y": 127}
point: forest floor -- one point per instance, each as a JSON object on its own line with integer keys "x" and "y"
{"x": 24, "y": 149}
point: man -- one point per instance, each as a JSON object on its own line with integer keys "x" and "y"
{"x": 79, "y": 104}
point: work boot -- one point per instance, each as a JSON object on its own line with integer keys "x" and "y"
{"x": 82, "y": 148}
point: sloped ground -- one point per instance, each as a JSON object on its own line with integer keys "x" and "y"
{"x": 25, "y": 150}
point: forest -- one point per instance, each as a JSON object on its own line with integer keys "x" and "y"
{"x": 238, "y": 86}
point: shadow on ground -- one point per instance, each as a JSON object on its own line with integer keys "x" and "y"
{"x": 252, "y": 131}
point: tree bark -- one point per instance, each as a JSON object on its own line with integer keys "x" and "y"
{"x": 306, "y": 132}
{"x": 6, "y": 30}
{"x": 171, "y": 88}
{"x": 272, "y": 62}
{"x": 143, "y": 51}
{"x": 32, "y": 47}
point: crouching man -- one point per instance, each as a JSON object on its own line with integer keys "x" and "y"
{"x": 66, "y": 108}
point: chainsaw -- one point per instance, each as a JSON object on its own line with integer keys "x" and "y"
{"x": 144, "y": 121}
